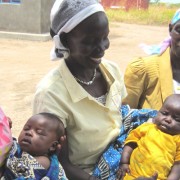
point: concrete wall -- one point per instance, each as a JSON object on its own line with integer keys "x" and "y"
{"x": 30, "y": 16}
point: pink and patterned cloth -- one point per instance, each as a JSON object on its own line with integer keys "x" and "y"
{"x": 5, "y": 137}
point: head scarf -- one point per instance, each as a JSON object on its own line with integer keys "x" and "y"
{"x": 160, "y": 48}
{"x": 176, "y": 17}
{"x": 65, "y": 16}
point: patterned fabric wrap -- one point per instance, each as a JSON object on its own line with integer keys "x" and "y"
{"x": 108, "y": 164}
{"x": 21, "y": 165}
{"x": 156, "y": 49}
{"x": 6, "y": 137}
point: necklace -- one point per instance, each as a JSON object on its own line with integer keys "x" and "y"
{"x": 89, "y": 82}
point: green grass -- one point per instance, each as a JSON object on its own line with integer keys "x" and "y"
{"x": 156, "y": 14}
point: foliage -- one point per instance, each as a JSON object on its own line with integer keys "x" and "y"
{"x": 156, "y": 14}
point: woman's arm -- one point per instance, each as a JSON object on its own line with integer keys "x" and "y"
{"x": 72, "y": 172}
{"x": 135, "y": 80}
{"x": 175, "y": 172}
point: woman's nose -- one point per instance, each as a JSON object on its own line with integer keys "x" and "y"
{"x": 103, "y": 45}
{"x": 100, "y": 48}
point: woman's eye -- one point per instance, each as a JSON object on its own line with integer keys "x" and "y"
{"x": 178, "y": 30}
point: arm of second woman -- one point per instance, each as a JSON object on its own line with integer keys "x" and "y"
{"x": 135, "y": 79}
{"x": 72, "y": 171}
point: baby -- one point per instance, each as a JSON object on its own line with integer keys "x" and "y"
{"x": 34, "y": 156}
{"x": 155, "y": 147}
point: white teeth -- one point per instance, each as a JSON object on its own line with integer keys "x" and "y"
{"x": 96, "y": 59}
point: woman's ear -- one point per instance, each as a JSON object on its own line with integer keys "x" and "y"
{"x": 63, "y": 38}
{"x": 170, "y": 28}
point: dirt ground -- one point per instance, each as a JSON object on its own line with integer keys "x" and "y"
{"x": 24, "y": 63}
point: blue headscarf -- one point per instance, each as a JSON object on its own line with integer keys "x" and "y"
{"x": 176, "y": 17}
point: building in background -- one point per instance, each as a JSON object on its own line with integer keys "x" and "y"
{"x": 139, "y": 4}
{"x": 125, "y": 4}
{"x": 10, "y": 1}
{"x": 25, "y": 19}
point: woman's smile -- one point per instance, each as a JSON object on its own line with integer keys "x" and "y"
{"x": 97, "y": 60}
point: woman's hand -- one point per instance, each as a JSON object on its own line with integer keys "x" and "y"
{"x": 72, "y": 171}
{"x": 61, "y": 142}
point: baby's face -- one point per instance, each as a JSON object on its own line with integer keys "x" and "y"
{"x": 168, "y": 118}
{"x": 38, "y": 135}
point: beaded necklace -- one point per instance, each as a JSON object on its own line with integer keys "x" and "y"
{"x": 89, "y": 82}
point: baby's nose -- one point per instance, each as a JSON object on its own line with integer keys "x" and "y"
{"x": 168, "y": 119}
{"x": 28, "y": 133}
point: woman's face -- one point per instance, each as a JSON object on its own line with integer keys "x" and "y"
{"x": 175, "y": 36}
{"x": 88, "y": 41}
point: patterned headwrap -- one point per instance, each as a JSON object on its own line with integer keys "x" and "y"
{"x": 65, "y": 16}
{"x": 160, "y": 48}
{"x": 176, "y": 17}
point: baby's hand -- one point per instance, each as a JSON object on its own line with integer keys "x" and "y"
{"x": 123, "y": 169}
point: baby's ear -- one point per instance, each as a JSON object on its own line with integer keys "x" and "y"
{"x": 53, "y": 147}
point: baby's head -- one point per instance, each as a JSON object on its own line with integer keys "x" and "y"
{"x": 168, "y": 118}
{"x": 41, "y": 134}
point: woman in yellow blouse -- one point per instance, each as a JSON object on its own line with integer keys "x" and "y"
{"x": 155, "y": 147}
{"x": 150, "y": 80}
{"x": 85, "y": 90}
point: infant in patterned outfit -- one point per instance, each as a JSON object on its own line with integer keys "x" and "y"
{"x": 34, "y": 155}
